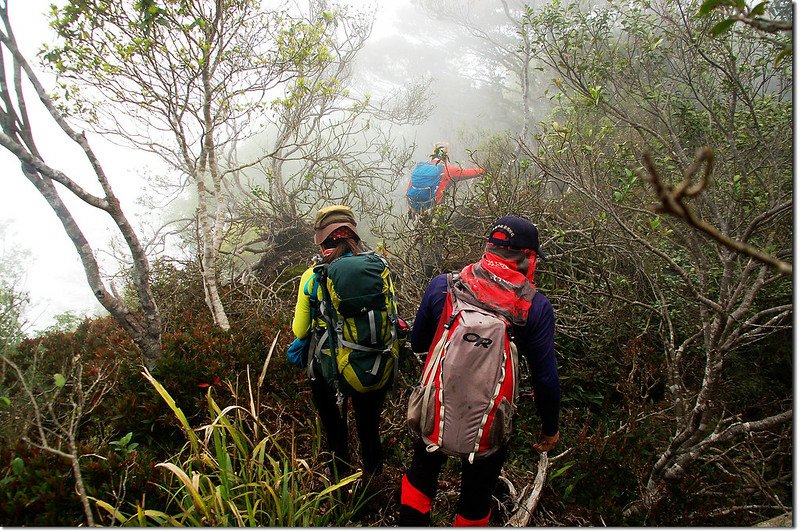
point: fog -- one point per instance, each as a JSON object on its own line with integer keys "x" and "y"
{"x": 463, "y": 53}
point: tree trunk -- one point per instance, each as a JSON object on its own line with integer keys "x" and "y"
{"x": 211, "y": 227}
{"x": 147, "y": 335}
{"x": 208, "y": 259}
{"x": 17, "y": 137}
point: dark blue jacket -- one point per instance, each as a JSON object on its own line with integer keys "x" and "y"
{"x": 534, "y": 341}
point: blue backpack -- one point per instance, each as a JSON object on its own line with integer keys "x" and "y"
{"x": 425, "y": 180}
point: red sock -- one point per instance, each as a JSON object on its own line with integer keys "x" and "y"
{"x": 463, "y": 521}
{"x": 411, "y": 496}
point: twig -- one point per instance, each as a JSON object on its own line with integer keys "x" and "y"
{"x": 562, "y": 455}
{"x": 671, "y": 201}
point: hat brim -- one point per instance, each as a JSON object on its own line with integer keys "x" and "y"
{"x": 321, "y": 234}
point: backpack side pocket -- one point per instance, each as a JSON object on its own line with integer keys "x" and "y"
{"x": 420, "y": 415}
{"x": 502, "y": 424}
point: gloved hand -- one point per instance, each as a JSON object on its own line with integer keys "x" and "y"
{"x": 546, "y": 443}
{"x": 403, "y": 328}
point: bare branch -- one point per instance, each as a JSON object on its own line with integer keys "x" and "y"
{"x": 672, "y": 202}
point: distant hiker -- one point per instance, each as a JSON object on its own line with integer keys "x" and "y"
{"x": 430, "y": 179}
{"x": 346, "y": 309}
{"x": 472, "y": 324}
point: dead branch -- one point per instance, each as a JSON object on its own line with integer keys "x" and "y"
{"x": 671, "y": 201}
{"x": 526, "y": 508}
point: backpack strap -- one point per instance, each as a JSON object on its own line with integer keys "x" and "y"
{"x": 392, "y": 310}
{"x": 312, "y": 295}
{"x": 452, "y": 278}
{"x": 326, "y": 307}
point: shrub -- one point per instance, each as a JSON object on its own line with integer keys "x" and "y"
{"x": 239, "y": 474}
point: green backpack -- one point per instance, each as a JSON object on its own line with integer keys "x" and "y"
{"x": 359, "y": 308}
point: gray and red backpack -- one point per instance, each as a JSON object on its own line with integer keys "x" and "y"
{"x": 466, "y": 398}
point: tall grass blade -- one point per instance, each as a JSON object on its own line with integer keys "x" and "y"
{"x": 266, "y": 362}
{"x": 174, "y": 407}
{"x": 190, "y": 485}
{"x": 108, "y": 508}
{"x": 161, "y": 518}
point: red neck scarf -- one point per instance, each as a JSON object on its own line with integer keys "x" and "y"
{"x": 502, "y": 280}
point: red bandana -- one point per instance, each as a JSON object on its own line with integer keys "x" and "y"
{"x": 340, "y": 233}
{"x": 503, "y": 280}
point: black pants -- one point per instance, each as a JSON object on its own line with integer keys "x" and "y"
{"x": 366, "y": 411}
{"x": 478, "y": 481}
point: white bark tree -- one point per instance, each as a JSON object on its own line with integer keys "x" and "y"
{"x": 18, "y": 137}
{"x": 190, "y": 82}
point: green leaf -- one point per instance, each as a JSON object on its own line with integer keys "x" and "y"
{"x": 60, "y": 380}
{"x": 709, "y": 5}
{"x": 17, "y": 465}
{"x": 193, "y": 440}
{"x": 759, "y": 10}
{"x": 5, "y": 401}
{"x": 722, "y": 27}
{"x": 786, "y": 52}
{"x": 561, "y": 471}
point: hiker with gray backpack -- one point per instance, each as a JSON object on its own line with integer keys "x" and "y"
{"x": 348, "y": 333}
{"x": 474, "y": 325}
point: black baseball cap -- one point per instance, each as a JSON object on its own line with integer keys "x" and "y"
{"x": 515, "y": 232}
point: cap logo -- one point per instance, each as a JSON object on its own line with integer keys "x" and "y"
{"x": 505, "y": 229}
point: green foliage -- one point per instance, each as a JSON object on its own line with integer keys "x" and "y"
{"x": 59, "y": 380}
{"x": 622, "y": 91}
{"x": 65, "y": 322}
{"x": 124, "y": 444}
{"x": 13, "y": 301}
{"x": 12, "y": 307}
{"x": 755, "y": 15}
{"x": 239, "y": 475}
{"x": 36, "y": 489}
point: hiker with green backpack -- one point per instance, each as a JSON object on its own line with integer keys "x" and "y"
{"x": 347, "y": 333}
{"x": 474, "y": 326}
